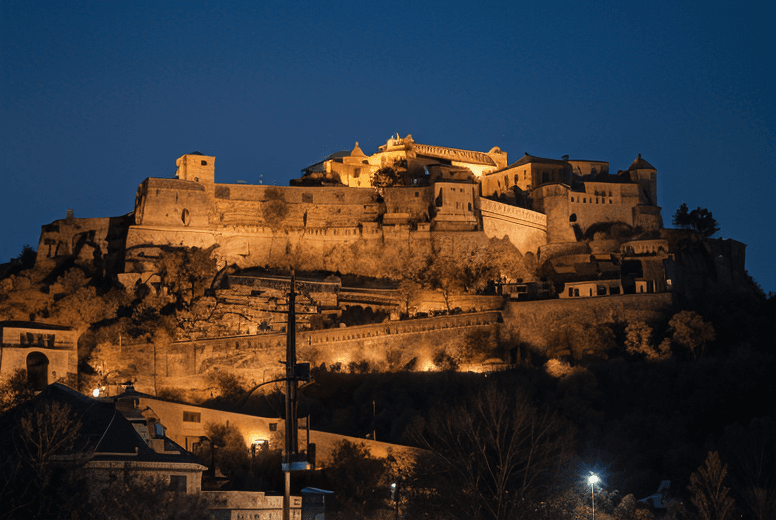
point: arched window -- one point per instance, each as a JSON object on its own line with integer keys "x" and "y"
{"x": 573, "y": 217}
{"x": 204, "y": 163}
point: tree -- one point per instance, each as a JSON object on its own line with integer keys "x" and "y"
{"x": 231, "y": 455}
{"x": 410, "y": 290}
{"x": 15, "y": 390}
{"x": 36, "y": 456}
{"x": 446, "y": 275}
{"x": 490, "y": 456}
{"x": 682, "y": 217}
{"x": 27, "y": 257}
{"x": 638, "y": 342}
{"x": 187, "y": 272}
{"x": 709, "y": 495}
{"x": 359, "y": 479}
{"x": 691, "y": 332}
{"x": 388, "y": 176}
{"x": 699, "y": 220}
{"x": 751, "y": 451}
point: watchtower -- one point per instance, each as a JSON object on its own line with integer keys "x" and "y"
{"x": 196, "y": 167}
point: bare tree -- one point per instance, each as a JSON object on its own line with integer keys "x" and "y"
{"x": 709, "y": 494}
{"x": 751, "y": 451}
{"x": 490, "y": 455}
{"x": 35, "y": 456}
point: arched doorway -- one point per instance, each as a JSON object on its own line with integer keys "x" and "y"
{"x": 37, "y": 370}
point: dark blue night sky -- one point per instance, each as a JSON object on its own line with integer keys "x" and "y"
{"x": 97, "y": 96}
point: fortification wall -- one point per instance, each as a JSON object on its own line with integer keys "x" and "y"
{"x": 386, "y": 346}
{"x": 535, "y": 323}
{"x": 171, "y": 202}
{"x": 97, "y": 243}
{"x": 412, "y": 200}
{"x": 526, "y": 229}
{"x": 603, "y": 202}
{"x": 281, "y": 206}
{"x": 367, "y": 249}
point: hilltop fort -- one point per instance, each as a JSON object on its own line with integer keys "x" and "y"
{"x": 412, "y": 230}
{"x": 412, "y": 197}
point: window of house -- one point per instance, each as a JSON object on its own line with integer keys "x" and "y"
{"x": 417, "y": 194}
{"x": 203, "y": 163}
{"x": 273, "y": 426}
{"x": 194, "y": 417}
{"x": 178, "y": 483}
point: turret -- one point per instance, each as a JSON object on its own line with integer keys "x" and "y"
{"x": 196, "y": 167}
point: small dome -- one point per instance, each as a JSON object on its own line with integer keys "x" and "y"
{"x": 356, "y": 152}
{"x": 641, "y": 164}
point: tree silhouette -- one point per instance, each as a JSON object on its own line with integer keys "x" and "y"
{"x": 699, "y": 220}
{"x": 358, "y": 478}
{"x": 709, "y": 495}
{"x": 491, "y": 455}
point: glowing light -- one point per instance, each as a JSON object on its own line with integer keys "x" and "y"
{"x": 96, "y": 392}
{"x": 593, "y": 479}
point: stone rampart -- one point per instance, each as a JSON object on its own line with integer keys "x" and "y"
{"x": 392, "y": 345}
{"x": 526, "y": 229}
{"x": 171, "y": 202}
{"x": 95, "y": 242}
{"x": 535, "y": 322}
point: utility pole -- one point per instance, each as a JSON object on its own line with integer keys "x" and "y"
{"x": 291, "y": 424}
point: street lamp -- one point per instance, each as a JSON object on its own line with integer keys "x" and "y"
{"x": 592, "y": 480}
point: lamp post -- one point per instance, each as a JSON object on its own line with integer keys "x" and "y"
{"x": 592, "y": 480}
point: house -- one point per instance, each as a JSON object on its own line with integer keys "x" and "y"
{"x": 103, "y": 438}
{"x": 187, "y": 424}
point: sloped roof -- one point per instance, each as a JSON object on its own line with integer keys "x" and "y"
{"x": 452, "y": 154}
{"x": 357, "y": 152}
{"x": 640, "y": 164}
{"x": 105, "y": 433}
{"x": 527, "y": 158}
